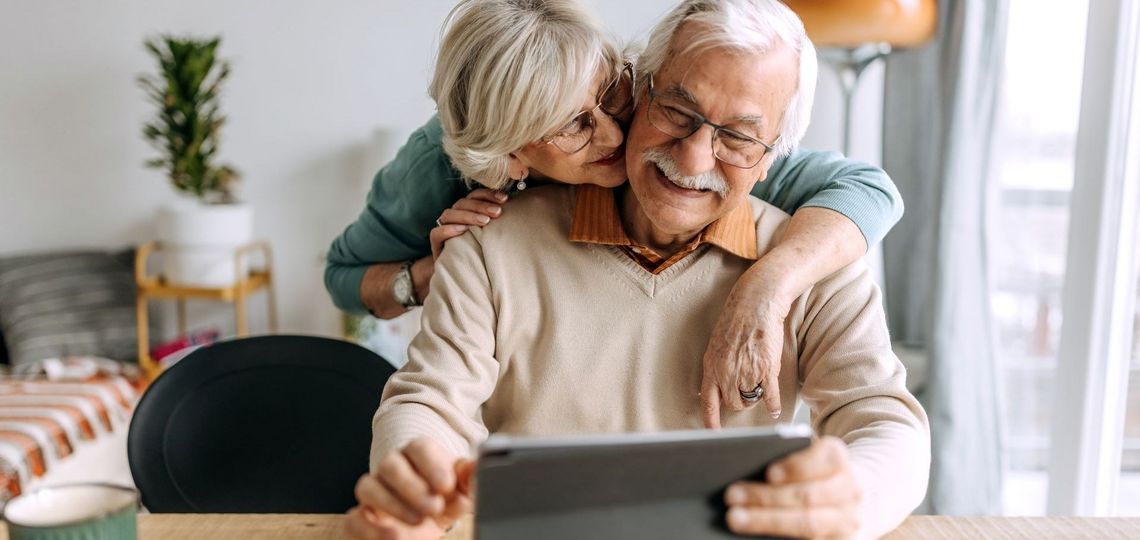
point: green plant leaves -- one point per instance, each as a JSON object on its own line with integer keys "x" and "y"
{"x": 185, "y": 92}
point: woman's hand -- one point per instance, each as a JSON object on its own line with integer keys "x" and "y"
{"x": 748, "y": 340}
{"x": 415, "y": 493}
{"x": 474, "y": 210}
{"x": 746, "y": 347}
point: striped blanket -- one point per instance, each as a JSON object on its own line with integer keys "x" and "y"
{"x": 43, "y": 422}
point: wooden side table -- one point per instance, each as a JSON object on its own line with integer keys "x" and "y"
{"x": 155, "y": 287}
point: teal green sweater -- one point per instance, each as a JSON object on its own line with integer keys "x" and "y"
{"x": 416, "y": 187}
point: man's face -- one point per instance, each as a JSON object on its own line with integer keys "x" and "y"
{"x": 745, "y": 92}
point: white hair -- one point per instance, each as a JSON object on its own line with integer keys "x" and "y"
{"x": 508, "y": 73}
{"x": 752, "y": 26}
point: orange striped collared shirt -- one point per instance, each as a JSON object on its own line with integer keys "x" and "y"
{"x": 596, "y": 221}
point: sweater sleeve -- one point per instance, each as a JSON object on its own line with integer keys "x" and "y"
{"x": 862, "y": 192}
{"x": 856, "y": 389}
{"x": 451, "y": 369}
{"x": 407, "y": 196}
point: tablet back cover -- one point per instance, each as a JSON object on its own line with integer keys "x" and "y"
{"x": 631, "y": 486}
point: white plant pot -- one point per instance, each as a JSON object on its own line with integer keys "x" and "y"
{"x": 199, "y": 242}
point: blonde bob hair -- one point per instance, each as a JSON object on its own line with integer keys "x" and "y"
{"x": 510, "y": 72}
{"x": 751, "y": 26}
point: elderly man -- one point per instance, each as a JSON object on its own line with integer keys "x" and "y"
{"x": 586, "y": 309}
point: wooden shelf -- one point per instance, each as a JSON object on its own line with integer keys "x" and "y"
{"x": 155, "y": 287}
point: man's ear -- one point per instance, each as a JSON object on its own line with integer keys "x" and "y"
{"x": 516, "y": 168}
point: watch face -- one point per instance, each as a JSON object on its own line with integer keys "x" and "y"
{"x": 402, "y": 289}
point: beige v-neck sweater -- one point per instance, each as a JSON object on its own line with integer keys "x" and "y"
{"x": 527, "y": 333}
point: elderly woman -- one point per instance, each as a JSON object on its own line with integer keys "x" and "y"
{"x": 533, "y": 91}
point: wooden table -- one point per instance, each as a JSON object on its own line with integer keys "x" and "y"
{"x": 314, "y": 527}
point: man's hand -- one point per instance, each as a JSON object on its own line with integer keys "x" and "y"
{"x": 809, "y": 494}
{"x": 415, "y": 493}
{"x": 745, "y": 348}
{"x": 362, "y": 523}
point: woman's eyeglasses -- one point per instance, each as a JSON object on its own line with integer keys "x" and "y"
{"x": 615, "y": 100}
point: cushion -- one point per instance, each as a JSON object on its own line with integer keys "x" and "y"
{"x": 68, "y": 304}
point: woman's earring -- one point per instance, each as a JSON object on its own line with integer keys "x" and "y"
{"x": 521, "y": 184}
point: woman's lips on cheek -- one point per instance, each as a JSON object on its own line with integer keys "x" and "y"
{"x": 612, "y": 158}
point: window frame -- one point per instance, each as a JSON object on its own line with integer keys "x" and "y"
{"x": 1099, "y": 293}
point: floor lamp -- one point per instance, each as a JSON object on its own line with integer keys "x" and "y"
{"x": 853, "y": 34}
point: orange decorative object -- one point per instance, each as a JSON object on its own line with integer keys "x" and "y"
{"x": 849, "y": 23}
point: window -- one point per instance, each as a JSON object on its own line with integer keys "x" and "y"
{"x": 1084, "y": 409}
{"x": 1032, "y": 171}
{"x": 1128, "y": 491}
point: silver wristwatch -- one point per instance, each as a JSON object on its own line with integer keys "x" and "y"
{"x": 403, "y": 289}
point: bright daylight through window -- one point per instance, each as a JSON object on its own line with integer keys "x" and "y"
{"x": 1032, "y": 174}
{"x": 1029, "y": 225}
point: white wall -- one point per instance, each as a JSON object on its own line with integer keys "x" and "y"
{"x": 313, "y": 84}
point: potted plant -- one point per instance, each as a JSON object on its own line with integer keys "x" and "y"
{"x": 200, "y": 232}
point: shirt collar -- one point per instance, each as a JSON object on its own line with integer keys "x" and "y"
{"x": 597, "y": 221}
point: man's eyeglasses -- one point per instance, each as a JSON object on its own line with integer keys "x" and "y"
{"x": 615, "y": 100}
{"x": 674, "y": 118}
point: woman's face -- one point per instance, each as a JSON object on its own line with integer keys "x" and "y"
{"x": 600, "y": 161}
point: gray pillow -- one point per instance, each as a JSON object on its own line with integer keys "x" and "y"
{"x": 68, "y": 304}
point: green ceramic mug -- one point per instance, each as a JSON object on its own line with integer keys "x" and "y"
{"x": 74, "y": 512}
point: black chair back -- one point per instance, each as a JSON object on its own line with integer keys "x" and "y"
{"x": 269, "y": 424}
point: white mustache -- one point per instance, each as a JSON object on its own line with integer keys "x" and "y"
{"x": 711, "y": 180}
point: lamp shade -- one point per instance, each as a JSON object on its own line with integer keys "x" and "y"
{"x": 849, "y": 23}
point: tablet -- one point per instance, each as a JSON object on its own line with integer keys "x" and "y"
{"x": 635, "y": 485}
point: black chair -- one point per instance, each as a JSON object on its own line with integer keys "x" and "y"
{"x": 270, "y": 424}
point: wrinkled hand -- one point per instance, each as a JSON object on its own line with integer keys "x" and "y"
{"x": 745, "y": 349}
{"x": 809, "y": 494}
{"x": 475, "y": 210}
{"x": 415, "y": 493}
